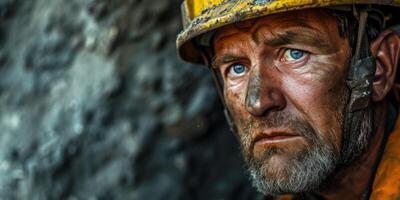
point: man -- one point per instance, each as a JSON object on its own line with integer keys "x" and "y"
{"x": 309, "y": 91}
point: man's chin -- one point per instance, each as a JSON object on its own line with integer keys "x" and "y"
{"x": 277, "y": 160}
{"x": 281, "y": 173}
{"x": 277, "y": 165}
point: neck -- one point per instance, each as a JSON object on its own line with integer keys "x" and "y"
{"x": 351, "y": 182}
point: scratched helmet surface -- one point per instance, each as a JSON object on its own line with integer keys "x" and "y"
{"x": 202, "y": 16}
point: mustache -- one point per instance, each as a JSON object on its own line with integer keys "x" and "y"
{"x": 254, "y": 125}
{"x": 279, "y": 120}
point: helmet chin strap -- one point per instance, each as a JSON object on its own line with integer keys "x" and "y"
{"x": 359, "y": 82}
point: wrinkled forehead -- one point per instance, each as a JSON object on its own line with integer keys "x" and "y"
{"x": 318, "y": 20}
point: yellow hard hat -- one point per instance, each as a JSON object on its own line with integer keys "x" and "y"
{"x": 201, "y": 16}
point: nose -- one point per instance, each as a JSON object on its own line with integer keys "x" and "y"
{"x": 263, "y": 93}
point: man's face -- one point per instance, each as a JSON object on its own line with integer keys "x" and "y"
{"x": 284, "y": 84}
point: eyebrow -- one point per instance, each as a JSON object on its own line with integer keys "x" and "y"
{"x": 226, "y": 58}
{"x": 306, "y": 37}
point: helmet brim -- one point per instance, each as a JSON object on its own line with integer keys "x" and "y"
{"x": 230, "y": 12}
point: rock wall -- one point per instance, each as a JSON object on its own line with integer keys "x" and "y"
{"x": 95, "y": 104}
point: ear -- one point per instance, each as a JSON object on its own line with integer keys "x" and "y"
{"x": 386, "y": 50}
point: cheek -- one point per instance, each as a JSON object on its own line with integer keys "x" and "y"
{"x": 324, "y": 109}
{"x": 319, "y": 97}
{"x": 235, "y": 99}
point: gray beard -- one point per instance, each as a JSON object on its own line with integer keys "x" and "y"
{"x": 304, "y": 172}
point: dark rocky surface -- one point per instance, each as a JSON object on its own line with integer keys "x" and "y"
{"x": 95, "y": 104}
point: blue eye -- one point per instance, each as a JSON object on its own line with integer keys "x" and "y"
{"x": 296, "y": 54}
{"x": 293, "y": 54}
{"x": 237, "y": 69}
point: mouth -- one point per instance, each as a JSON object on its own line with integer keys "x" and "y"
{"x": 276, "y": 136}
